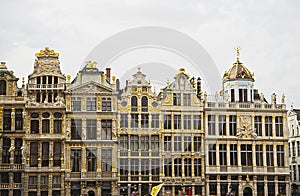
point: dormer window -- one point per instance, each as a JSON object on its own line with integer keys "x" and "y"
{"x": 144, "y": 89}
{"x": 2, "y": 87}
{"x": 176, "y": 99}
{"x": 243, "y": 97}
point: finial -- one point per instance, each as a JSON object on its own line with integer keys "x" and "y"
{"x": 23, "y": 81}
{"x": 168, "y": 83}
{"x": 139, "y": 68}
{"x": 237, "y": 49}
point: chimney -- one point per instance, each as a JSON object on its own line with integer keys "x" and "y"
{"x": 108, "y": 74}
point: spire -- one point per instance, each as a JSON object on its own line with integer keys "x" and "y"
{"x": 237, "y": 49}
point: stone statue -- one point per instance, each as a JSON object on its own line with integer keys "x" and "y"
{"x": 11, "y": 149}
{"x": 273, "y": 98}
{"x": 23, "y": 148}
{"x": 262, "y": 97}
{"x": 283, "y": 98}
{"x": 205, "y": 95}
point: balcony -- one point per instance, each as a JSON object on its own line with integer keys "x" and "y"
{"x": 11, "y": 167}
{"x": 106, "y": 174}
{"x": 270, "y": 169}
{"x": 4, "y": 185}
{"x": 123, "y": 178}
{"x": 17, "y": 185}
{"x": 91, "y": 174}
{"x": 247, "y": 169}
{"x": 45, "y": 86}
{"x": 75, "y": 175}
{"x": 7, "y": 99}
{"x": 56, "y": 186}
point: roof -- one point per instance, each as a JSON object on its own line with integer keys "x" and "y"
{"x": 238, "y": 71}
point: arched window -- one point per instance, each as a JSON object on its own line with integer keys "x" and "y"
{"x": 144, "y": 104}
{"x": 2, "y": 87}
{"x": 134, "y": 104}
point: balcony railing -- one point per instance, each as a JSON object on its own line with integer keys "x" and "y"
{"x": 123, "y": 178}
{"x": 91, "y": 174}
{"x": 45, "y": 86}
{"x": 4, "y": 185}
{"x": 106, "y": 174}
{"x": 56, "y": 186}
{"x": 247, "y": 169}
{"x": 245, "y": 105}
{"x": 6, "y": 98}
{"x": 75, "y": 175}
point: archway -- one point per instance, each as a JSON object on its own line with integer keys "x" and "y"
{"x": 91, "y": 193}
{"x": 247, "y": 191}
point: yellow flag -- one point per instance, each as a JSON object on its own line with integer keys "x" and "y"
{"x": 155, "y": 190}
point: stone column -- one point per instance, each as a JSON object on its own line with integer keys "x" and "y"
{"x": 266, "y": 185}
{"x": 51, "y": 153}
{"x": 217, "y": 155}
{"x": 207, "y": 185}
{"x": 12, "y": 150}
{"x": 263, "y": 128}
{"x": 83, "y": 129}
{"x": 276, "y": 185}
{"x": 83, "y": 161}
{"x": 275, "y": 155}
{"x": 254, "y": 155}
{"x": 273, "y": 127}
{"x": 13, "y": 114}
{"x": 239, "y": 154}
{"x": 206, "y": 124}
{"x": 218, "y": 185}
{"x": 182, "y": 167}
{"x": 264, "y": 155}
{"x": 227, "y": 125}
{"x": 228, "y": 154}
{"x": 217, "y": 125}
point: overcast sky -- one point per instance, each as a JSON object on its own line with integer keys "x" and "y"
{"x": 267, "y": 31}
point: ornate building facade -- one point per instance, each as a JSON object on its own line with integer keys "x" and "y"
{"x": 45, "y": 131}
{"x": 12, "y": 131}
{"x": 88, "y": 137}
{"x": 91, "y": 139}
{"x": 139, "y": 137}
{"x": 246, "y": 139}
{"x": 294, "y": 149}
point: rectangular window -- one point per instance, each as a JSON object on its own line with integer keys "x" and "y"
{"x": 134, "y": 121}
{"x": 145, "y": 164}
{"x": 212, "y": 154}
{"x": 124, "y": 121}
{"x": 7, "y": 120}
{"x": 167, "y": 121}
{"x": 258, "y": 125}
{"x": 91, "y": 129}
{"x": 134, "y": 167}
{"x": 222, "y": 125}
{"x": 232, "y": 125}
{"x": 168, "y": 143}
{"x": 57, "y": 154}
{"x": 45, "y": 126}
{"x": 17, "y": 177}
{"x": 197, "y": 167}
{"x": 76, "y": 103}
{"x": 270, "y": 156}
{"x": 76, "y": 160}
{"x": 155, "y": 121}
{"x": 259, "y": 155}
{"x": 106, "y": 104}
{"x": 233, "y": 154}
{"x": 280, "y": 155}
{"x": 232, "y": 95}
{"x": 197, "y": 143}
{"x": 246, "y": 154}
{"x": 186, "y": 99}
{"x": 19, "y": 119}
{"x": 268, "y": 126}
{"x": 144, "y": 143}
{"x": 176, "y": 99}
{"x": 45, "y": 154}
{"x": 293, "y": 148}
{"x": 223, "y": 154}
{"x": 76, "y": 129}
{"x": 279, "y": 126}
{"x": 91, "y": 103}
{"x": 123, "y": 143}
{"x": 187, "y": 122}
{"x": 91, "y": 159}
{"x": 145, "y": 121}
{"x": 56, "y": 181}
{"x": 177, "y": 121}
{"x": 134, "y": 143}
{"x": 57, "y": 126}
{"x": 155, "y": 171}
{"x": 33, "y": 154}
{"x": 154, "y": 143}
{"x": 188, "y": 167}
{"x": 34, "y": 126}
{"x": 123, "y": 169}
{"x": 298, "y": 147}
{"x": 168, "y": 167}
{"x": 177, "y": 167}
{"x": 187, "y": 143}
{"x": 211, "y": 125}
{"x": 32, "y": 183}
{"x": 5, "y": 150}
{"x": 197, "y": 122}
{"x": 18, "y": 151}
{"x": 106, "y": 129}
{"x": 177, "y": 143}
{"x": 242, "y": 95}
{"x": 44, "y": 180}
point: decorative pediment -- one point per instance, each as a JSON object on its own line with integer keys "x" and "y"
{"x": 246, "y": 130}
{"x": 90, "y": 88}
